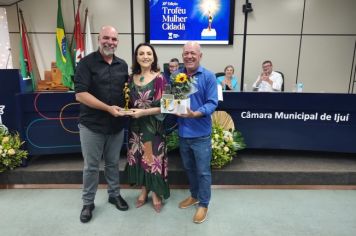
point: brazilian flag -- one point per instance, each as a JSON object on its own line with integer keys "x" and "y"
{"x": 63, "y": 55}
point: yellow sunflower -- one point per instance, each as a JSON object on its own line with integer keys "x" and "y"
{"x": 181, "y": 78}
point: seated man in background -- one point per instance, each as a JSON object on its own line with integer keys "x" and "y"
{"x": 173, "y": 66}
{"x": 269, "y": 80}
{"x": 229, "y": 81}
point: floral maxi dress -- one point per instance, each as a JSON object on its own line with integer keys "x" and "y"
{"x": 146, "y": 155}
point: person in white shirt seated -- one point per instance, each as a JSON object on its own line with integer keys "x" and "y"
{"x": 229, "y": 81}
{"x": 269, "y": 80}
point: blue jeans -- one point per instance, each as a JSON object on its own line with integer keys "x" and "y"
{"x": 196, "y": 155}
{"x": 94, "y": 147}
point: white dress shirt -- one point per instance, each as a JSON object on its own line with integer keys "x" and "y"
{"x": 264, "y": 86}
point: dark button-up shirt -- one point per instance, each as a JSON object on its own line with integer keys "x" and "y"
{"x": 105, "y": 82}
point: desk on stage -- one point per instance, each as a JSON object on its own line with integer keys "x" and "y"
{"x": 11, "y": 83}
{"x": 49, "y": 122}
{"x": 294, "y": 121}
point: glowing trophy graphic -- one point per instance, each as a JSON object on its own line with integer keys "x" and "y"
{"x": 209, "y": 8}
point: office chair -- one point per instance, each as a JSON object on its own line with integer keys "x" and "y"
{"x": 218, "y": 74}
{"x": 282, "y": 87}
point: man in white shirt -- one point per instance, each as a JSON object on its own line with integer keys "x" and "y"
{"x": 269, "y": 80}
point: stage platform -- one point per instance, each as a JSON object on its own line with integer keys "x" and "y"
{"x": 250, "y": 167}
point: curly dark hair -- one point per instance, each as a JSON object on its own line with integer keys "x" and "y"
{"x": 136, "y": 68}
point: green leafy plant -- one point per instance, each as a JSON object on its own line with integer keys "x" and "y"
{"x": 225, "y": 145}
{"x": 11, "y": 154}
{"x": 172, "y": 141}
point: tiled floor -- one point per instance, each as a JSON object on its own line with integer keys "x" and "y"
{"x": 37, "y": 212}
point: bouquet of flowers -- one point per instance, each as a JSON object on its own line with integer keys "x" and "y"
{"x": 175, "y": 99}
{"x": 225, "y": 144}
{"x": 11, "y": 154}
{"x": 182, "y": 85}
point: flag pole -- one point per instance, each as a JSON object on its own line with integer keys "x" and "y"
{"x": 85, "y": 21}
{"x": 35, "y": 70}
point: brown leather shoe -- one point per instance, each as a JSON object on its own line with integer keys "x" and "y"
{"x": 200, "y": 215}
{"x": 190, "y": 201}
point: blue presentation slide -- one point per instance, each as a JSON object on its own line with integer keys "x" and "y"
{"x": 176, "y": 22}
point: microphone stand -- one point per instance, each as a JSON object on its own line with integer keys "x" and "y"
{"x": 246, "y": 8}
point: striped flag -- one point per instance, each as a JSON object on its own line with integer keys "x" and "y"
{"x": 63, "y": 56}
{"x": 88, "y": 40}
{"x": 25, "y": 59}
{"x": 78, "y": 45}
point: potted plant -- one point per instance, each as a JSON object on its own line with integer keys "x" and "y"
{"x": 11, "y": 154}
{"x": 225, "y": 140}
{"x": 225, "y": 144}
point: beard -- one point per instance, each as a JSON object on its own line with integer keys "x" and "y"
{"x": 108, "y": 51}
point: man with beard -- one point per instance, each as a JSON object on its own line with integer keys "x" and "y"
{"x": 99, "y": 82}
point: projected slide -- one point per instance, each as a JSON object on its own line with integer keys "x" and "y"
{"x": 176, "y": 22}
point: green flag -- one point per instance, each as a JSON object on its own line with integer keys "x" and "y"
{"x": 63, "y": 56}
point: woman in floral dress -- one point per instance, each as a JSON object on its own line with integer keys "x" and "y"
{"x": 147, "y": 160}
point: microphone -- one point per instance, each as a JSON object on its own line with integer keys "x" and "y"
{"x": 8, "y": 57}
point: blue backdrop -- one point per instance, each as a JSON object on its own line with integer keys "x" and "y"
{"x": 182, "y": 20}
